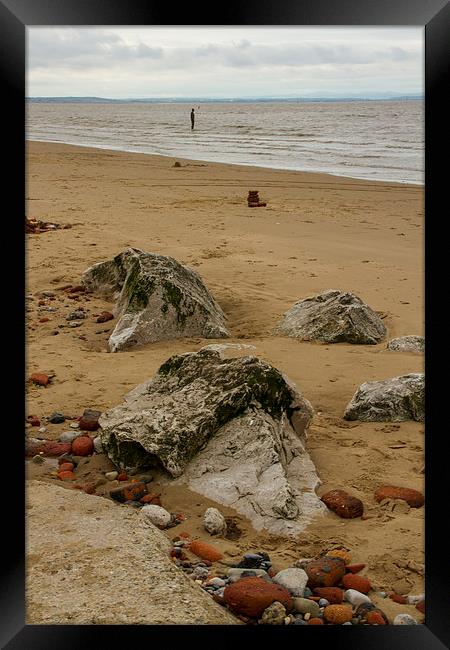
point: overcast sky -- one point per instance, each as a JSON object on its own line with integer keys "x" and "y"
{"x": 131, "y": 62}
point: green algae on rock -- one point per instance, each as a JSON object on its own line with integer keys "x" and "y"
{"x": 157, "y": 298}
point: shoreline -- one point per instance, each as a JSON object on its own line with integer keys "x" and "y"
{"x": 317, "y": 232}
{"x": 205, "y": 160}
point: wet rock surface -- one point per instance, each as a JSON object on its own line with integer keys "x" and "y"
{"x": 156, "y": 297}
{"x": 333, "y": 317}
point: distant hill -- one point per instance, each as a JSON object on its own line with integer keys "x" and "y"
{"x": 189, "y": 100}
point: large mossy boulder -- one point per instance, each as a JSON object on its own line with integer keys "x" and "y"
{"x": 156, "y": 297}
{"x": 333, "y": 317}
{"x": 233, "y": 429}
{"x": 390, "y": 400}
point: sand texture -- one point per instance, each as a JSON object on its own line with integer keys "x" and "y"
{"x": 317, "y": 232}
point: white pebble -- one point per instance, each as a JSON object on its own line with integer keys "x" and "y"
{"x": 413, "y": 600}
{"x": 214, "y": 522}
{"x": 157, "y": 515}
{"x": 404, "y": 619}
{"x": 42, "y": 429}
{"x": 68, "y": 436}
{"x": 111, "y": 476}
{"x": 356, "y": 597}
{"x": 98, "y": 445}
{"x": 74, "y": 425}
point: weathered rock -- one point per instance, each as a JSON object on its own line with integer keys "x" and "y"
{"x": 251, "y": 596}
{"x": 236, "y": 574}
{"x": 68, "y": 436}
{"x": 214, "y": 522}
{"x": 334, "y": 595}
{"x": 389, "y": 400}
{"x": 104, "y": 317}
{"x": 337, "y": 614}
{"x": 333, "y": 317}
{"x": 157, "y": 298}
{"x": 89, "y": 420}
{"x": 57, "y": 418}
{"x": 98, "y": 447}
{"x": 233, "y": 429}
{"x": 274, "y": 614}
{"x": 359, "y": 583}
{"x": 355, "y": 597}
{"x": 306, "y": 606}
{"x": 343, "y": 504}
{"x": 412, "y": 497}
{"x": 294, "y": 580}
{"x": 82, "y": 446}
{"x": 325, "y": 571}
{"x": 40, "y": 378}
{"x": 407, "y": 344}
{"x": 157, "y": 515}
{"x": 404, "y": 619}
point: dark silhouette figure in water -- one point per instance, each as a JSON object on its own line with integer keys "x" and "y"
{"x": 192, "y": 119}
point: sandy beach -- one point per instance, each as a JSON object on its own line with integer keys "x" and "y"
{"x": 317, "y": 232}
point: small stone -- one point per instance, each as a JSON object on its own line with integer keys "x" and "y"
{"x": 274, "y": 614}
{"x": 98, "y": 447}
{"x": 305, "y": 606}
{"x": 89, "y": 420}
{"x": 344, "y": 555}
{"x": 343, "y": 504}
{"x": 152, "y": 498}
{"x": 205, "y": 551}
{"x": 421, "y": 606}
{"x": 217, "y": 582}
{"x": 111, "y": 476}
{"x": 68, "y": 436}
{"x": 42, "y": 429}
{"x": 66, "y": 467}
{"x": 38, "y": 459}
{"x": 323, "y": 602}
{"x": 122, "y": 476}
{"x": 214, "y": 522}
{"x": 157, "y": 515}
{"x": 333, "y": 595}
{"x": 82, "y": 446}
{"x": 35, "y": 422}
{"x": 354, "y": 568}
{"x": 337, "y": 614}
{"x": 146, "y": 478}
{"x": 104, "y": 317}
{"x": 74, "y": 425}
{"x": 413, "y": 600}
{"x": 412, "y": 497}
{"x": 350, "y": 581}
{"x": 66, "y": 476}
{"x": 375, "y": 618}
{"x": 356, "y": 598}
{"x": 404, "y": 619}
{"x": 236, "y": 574}
{"x": 315, "y": 621}
{"x": 40, "y": 378}
{"x": 294, "y": 580}
{"x": 130, "y": 492}
{"x": 57, "y": 418}
{"x": 398, "y": 599}
{"x": 325, "y": 572}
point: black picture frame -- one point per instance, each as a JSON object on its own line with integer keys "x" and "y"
{"x": 15, "y": 16}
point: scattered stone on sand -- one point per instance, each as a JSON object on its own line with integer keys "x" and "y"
{"x": 205, "y": 551}
{"x": 157, "y": 515}
{"x": 83, "y": 446}
{"x": 355, "y": 597}
{"x": 104, "y": 317}
{"x": 233, "y": 430}
{"x": 343, "y": 504}
{"x": 89, "y": 420}
{"x": 251, "y": 596}
{"x": 36, "y": 226}
{"x": 325, "y": 571}
{"x": 274, "y": 614}
{"x": 131, "y": 492}
{"x": 57, "y": 418}
{"x": 389, "y": 400}
{"x": 292, "y": 579}
{"x": 333, "y": 317}
{"x": 157, "y": 299}
{"x": 40, "y": 378}
{"x": 214, "y": 522}
{"x": 360, "y": 583}
{"x": 78, "y": 314}
{"x": 404, "y": 619}
{"x": 412, "y": 497}
{"x": 407, "y": 344}
{"x": 111, "y": 476}
{"x": 68, "y": 436}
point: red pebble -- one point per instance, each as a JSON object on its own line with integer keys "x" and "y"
{"x": 374, "y": 618}
{"x": 44, "y": 320}
{"x": 153, "y": 498}
{"x": 359, "y": 583}
{"x": 66, "y": 467}
{"x": 66, "y": 476}
{"x": 205, "y": 551}
{"x": 421, "y": 606}
{"x": 334, "y": 595}
{"x": 354, "y": 568}
{"x": 412, "y": 497}
{"x": 123, "y": 476}
{"x": 343, "y": 504}
{"x": 315, "y": 621}
{"x": 184, "y": 535}
{"x": 82, "y": 446}
{"x": 398, "y": 599}
{"x": 326, "y": 571}
{"x": 40, "y": 378}
{"x": 104, "y": 317}
{"x": 251, "y": 596}
{"x": 35, "y": 422}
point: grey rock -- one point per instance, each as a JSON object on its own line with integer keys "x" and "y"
{"x": 68, "y": 436}
{"x": 98, "y": 445}
{"x": 157, "y": 299}
{"x": 355, "y": 597}
{"x": 333, "y": 317}
{"x": 236, "y": 574}
{"x": 78, "y": 314}
{"x": 233, "y": 430}
{"x": 407, "y": 344}
{"x": 38, "y": 459}
{"x": 323, "y": 602}
{"x": 389, "y": 400}
{"x": 404, "y": 619}
{"x": 57, "y": 418}
{"x": 214, "y": 522}
{"x": 157, "y": 515}
{"x": 274, "y": 614}
{"x": 294, "y": 580}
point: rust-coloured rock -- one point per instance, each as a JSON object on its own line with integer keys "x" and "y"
{"x": 334, "y": 595}
{"x": 40, "y": 378}
{"x": 343, "y": 504}
{"x": 401, "y": 600}
{"x": 412, "y": 497}
{"x": 47, "y": 448}
{"x": 123, "y": 476}
{"x": 375, "y": 618}
{"x": 337, "y": 552}
{"x": 35, "y": 422}
{"x": 153, "y": 498}
{"x": 337, "y": 614}
{"x": 421, "y": 606}
{"x": 359, "y": 583}
{"x": 354, "y": 568}
{"x": 89, "y": 420}
{"x": 82, "y": 446}
{"x": 104, "y": 317}
{"x": 131, "y": 492}
{"x": 205, "y": 551}
{"x": 366, "y": 612}
{"x": 251, "y": 596}
{"x": 325, "y": 572}
{"x": 66, "y": 476}
{"x": 66, "y": 467}
{"x": 315, "y": 621}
